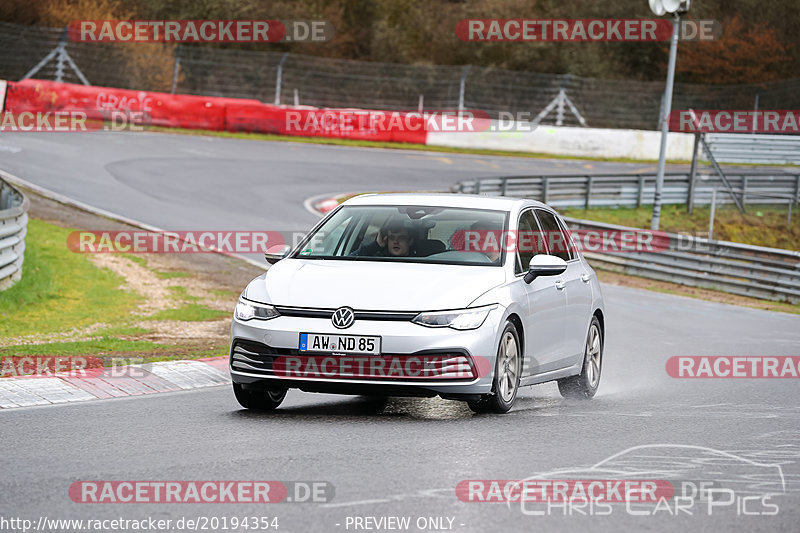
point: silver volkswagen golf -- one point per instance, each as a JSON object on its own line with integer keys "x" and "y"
{"x": 464, "y": 297}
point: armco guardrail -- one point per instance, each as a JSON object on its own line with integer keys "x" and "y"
{"x": 766, "y": 273}
{"x": 13, "y": 228}
{"x": 749, "y": 148}
{"x": 633, "y": 190}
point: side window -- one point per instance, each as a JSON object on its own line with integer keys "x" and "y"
{"x": 557, "y": 242}
{"x": 529, "y": 241}
{"x": 573, "y": 250}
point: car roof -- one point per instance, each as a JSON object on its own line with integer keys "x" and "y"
{"x": 474, "y": 201}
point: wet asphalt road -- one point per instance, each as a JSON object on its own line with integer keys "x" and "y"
{"x": 406, "y": 458}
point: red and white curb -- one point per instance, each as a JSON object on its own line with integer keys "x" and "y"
{"x": 97, "y": 384}
{"x": 322, "y": 204}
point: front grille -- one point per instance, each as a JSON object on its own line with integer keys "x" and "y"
{"x": 257, "y": 358}
{"x": 310, "y": 312}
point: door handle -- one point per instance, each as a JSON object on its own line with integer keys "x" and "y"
{"x": 585, "y": 277}
{"x": 559, "y": 285}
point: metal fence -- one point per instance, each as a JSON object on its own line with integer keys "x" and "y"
{"x": 742, "y": 269}
{"x": 323, "y": 82}
{"x": 634, "y": 190}
{"x": 13, "y": 228}
{"x": 758, "y": 149}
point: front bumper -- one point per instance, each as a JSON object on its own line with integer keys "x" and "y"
{"x": 265, "y": 354}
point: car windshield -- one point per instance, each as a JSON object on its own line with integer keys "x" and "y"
{"x": 419, "y": 234}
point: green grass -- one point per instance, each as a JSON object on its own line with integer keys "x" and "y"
{"x": 60, "y": 289}
{"x": 99, "y": 346}
{"x": 170, "y": 274}
{"x": 192, "y": 312}
{"x": 759, "y": 226}
{"x": 141, "y": 261}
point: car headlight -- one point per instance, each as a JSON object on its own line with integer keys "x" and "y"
{"x": 457, "y": 319}
{"x": 245, "y": 310}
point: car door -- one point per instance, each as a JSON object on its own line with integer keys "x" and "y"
{"x": 544, "y": 324}
{"x": 576, "y": 286}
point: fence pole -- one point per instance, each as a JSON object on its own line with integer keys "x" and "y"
{"x": 589, "y": 180}
{"x": 711, "y": 218}
{"x": 692, "y": 175}
{"x": 545, "y": 189}
{"x": 176, "y": 69}
{"x": 640, "y": 199}
{"x": 296, "y": 98}
{"x": 789, "y": 216}
{"x": 797, "y": 190}
{"x": 462, "y": 87}
{"x": 278, "y": 78}
{"x": 421, "y": 102}
{"x": 744, "y": 190}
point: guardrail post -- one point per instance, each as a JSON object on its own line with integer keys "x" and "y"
{"x": 789, "y": 216}
{"x": 640, "y": 198}
{"x": 545, "y": 189}
{"x": 797, "y": 190}
{"x": 744, "y": 190}
{"x": 711, "y": 217}
{"x": 477, "y": 186}
{"x": 503, "y": 186}
{"x": 589, "y": 180}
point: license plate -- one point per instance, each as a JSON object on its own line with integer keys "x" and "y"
{"x": 348, "y": 344}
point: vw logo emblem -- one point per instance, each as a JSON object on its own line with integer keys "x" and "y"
{"x": 343, "y": 318}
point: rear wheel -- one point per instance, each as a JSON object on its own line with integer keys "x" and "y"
{"x": 506, "y": 376}
{"x": 584, "y": 385}
{"x": 258, "y": 399}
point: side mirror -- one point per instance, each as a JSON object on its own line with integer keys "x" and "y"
{"x": 276, "y": 253}
{"x": 545, "y": 265}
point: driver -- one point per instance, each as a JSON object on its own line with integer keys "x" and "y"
{"x": 394, "y": 239}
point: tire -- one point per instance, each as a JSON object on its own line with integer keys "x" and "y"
{"x": 584, "y": 385}
{"x": 258, "y": 399}
{"x": 506, "y": 375}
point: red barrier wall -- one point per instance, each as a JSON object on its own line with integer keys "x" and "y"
{"x": 213, "y": 113}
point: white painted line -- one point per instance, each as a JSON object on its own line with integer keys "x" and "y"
{"x": 23, "y": 392}
{"x": 188, "y": 374}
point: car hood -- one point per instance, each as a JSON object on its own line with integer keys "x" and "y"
{"x": 372, "y": 285}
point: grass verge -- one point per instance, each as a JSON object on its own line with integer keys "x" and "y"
{"x": 65, "y": 304}
{"x": 760, "y": 225}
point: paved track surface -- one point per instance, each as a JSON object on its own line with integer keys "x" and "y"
{"x": 406, "y": 458}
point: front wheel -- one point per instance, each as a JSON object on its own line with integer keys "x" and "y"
{"x": 584, "y": 385}
{"x": 258, "y": 399}
{"x": 506, "y": 376}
